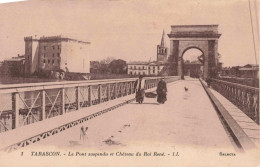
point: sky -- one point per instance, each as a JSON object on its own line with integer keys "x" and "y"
{"x": 129, "y": 29}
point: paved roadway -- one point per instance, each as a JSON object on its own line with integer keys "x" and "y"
{"x": 187, "y": 118}
{"x": 187, "y": 123}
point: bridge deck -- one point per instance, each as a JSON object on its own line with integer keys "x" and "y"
{"x": 187, "y": 123}
{"x": 187, "y": 118}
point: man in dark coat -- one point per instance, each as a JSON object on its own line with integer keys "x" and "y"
{"x": 161, "y": 91}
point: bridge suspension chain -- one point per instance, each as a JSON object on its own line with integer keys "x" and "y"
{"x": 252, "y": 30}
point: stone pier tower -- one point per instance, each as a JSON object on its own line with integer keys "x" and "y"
{"x": 202, "y": 37}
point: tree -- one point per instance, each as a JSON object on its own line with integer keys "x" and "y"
{"x": 15, "y": 71}
{"x": 94, "y": 67}
{"x": 118, "y": 66}
{"x": 187, "y": 61}
{"x": 104, "y": 68}
{"x": 97, "y": 67}
{"x": 107, "y": 60}
{"x": 235, "y": 71}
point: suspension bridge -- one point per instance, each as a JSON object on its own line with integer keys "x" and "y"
{"x": 224, "y": 115}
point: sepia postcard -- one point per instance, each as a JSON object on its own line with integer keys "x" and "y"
{"x": 149, "y": 83}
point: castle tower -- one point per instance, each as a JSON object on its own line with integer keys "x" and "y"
{"x": 56, "y": 53}
{"x": 31, "y": 55}
{"x": 162, "y": 50}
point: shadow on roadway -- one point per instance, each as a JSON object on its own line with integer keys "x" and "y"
{"x": 145, "y": 103}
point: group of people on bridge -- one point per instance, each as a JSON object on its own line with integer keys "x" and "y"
{"x": 140, "y": 93}
{"x": 140, "y": 90}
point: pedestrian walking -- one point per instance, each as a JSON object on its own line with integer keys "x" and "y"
{"x": 139, "y": 88}
{"x": 161, "y": 91}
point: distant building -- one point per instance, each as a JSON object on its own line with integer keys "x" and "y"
{"x": 13, "y": 67}
{"x": 56, "y": 53}
{"x": 249, "y": 71}
{"x": 150, "y": 68}
{"x": 144, "y": 68}
{"x": 193, "y": 69}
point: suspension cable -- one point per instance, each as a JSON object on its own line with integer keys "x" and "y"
{"x": 252, "y": 30}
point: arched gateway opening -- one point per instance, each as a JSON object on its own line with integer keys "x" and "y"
{"x": 193, "y": 61}
{"x": 202, "y": 37}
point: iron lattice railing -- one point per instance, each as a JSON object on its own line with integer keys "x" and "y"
{"x": 246, "y": 98}
{"x": 23, "y": 104}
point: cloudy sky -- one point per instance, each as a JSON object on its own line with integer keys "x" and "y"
{"x": 128, "y": 29}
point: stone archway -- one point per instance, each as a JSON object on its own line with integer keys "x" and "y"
{"x": 203, "y": 37}
{"x": 194, "y": 68}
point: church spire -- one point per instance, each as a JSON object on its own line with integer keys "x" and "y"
{"x": 162, "y": 42}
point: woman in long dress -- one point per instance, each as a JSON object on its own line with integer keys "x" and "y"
{"x": 161, "y": 91}
{"x": 139, "y": 89}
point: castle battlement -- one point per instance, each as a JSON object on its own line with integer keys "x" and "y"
{"x": 60, "y": 38}
{"x": 30, "y": 38}
{"x": 50, "y": 37}
{"x": 57, "y": 38}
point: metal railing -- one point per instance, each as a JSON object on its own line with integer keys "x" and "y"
{"x": 23, "y": 104}
{"x": 246, "y": 98}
